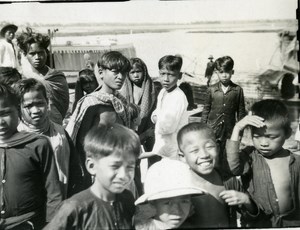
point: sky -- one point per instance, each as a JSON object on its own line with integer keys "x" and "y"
{"x": 153, "y": 11}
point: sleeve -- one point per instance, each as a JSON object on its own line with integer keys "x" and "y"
{"x": 50, "y": 176}
{"x": 65, "y": 218}
{"x": 241, "y": 103}
{"x": 170, "y": 116}
{"x": 76, "y": 173}
{"x": 239, "y": 162}
{"x": 207, "y": 106}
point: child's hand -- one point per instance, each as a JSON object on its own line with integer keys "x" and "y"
{"x": 232, "y": 197}
{"x": 251, "y": 120}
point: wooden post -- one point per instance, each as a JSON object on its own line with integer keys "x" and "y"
{"x": 50, "y": 34}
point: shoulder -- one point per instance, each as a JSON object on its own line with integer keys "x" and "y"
{"x": 127, "y": 197}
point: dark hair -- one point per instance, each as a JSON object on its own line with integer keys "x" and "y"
{"x": 114, "y": 60}
{"x": 103, "y": 140}
{"x": 273, "y": 110}
{"x": 170, "y": 62}
{"x": 225, "y": 63}
{"x": 9, "y": 75}
{"x": 140, "y": 64}
{"x": 192, "y": 127}
{"x": 25, "y": 85}
{"x": 8, "y": 93}
{"x": 25, "y": 39}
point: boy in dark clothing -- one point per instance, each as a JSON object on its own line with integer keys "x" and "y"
{"x": 224, "y": 105}
{"x": 30, "y": 190}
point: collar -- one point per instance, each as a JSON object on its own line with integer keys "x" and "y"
{"x": 172, "y": 89}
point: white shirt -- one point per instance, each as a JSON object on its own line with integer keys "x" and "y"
{"x": 7, "y": 55}
{"x": 171, "y": 112}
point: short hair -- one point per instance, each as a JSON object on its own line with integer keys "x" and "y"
{"x": 8, "y": 93}
{"x": 89, "y": 75}
{"x": 104, "y": 140}
{"x": 25, "y": 85}
{"x": 25, "y": 39}
{"x": 170, "y": 62}
{"x": 273, "y": 110}
{"x": 194, "y": 127}
{"x": 225, "y": 63}
{"x": 114, "y": 60}
{"x": 9, "y": 75}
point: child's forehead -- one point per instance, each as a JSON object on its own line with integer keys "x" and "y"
{"x": 204, "y": 135}
{"x": 123, "y": 157}
{"x": 6, "y": 103}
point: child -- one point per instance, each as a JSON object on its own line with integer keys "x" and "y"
{"x": 30, "y": 190}
{"x": 105, "y": 105}
{"x": 85, "y": 84}
{"x": 167, "y": 200}
{"x": 171, "y": 110}
{"x": 35, "y": 118}
{"x": 139, "y": 89}
{"x": 8, "y": 51}
{"x": 199, "y": 148}
{"x": 34, "y": 47}
{"x": 111, "y": 151}
{"x": 224, "y": 105}
{"x": 271, "y": 172}
{"x": 209, "y": 69}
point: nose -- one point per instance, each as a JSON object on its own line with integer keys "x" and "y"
{"x": 166, "y": 77}
{"x": 123, "y": 173}
{"x": 264, "y": 141}
{"x": 176, "y": 208}
{"x": 35, "y": 109}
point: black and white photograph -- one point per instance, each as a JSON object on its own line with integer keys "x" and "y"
{"x": 149, "y": 114}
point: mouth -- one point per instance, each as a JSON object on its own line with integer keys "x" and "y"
{"x": 206, "y": 163}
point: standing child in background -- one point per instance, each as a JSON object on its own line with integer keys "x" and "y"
{"x": 171, "y": 110}
{"x": 35, "y": 118}
{"x": 85, "y": 84}
{"x": 30, "y": 190}
{"x": 167, "y": 200}
{"x": 224, "y": 105}
{"x": 199, "y": 150}
{"x": 111, "y": 151}
{"x": 105, "y": 105}
{"x": 271, "y": 172}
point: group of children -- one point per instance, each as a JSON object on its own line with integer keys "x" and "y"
{"x": 85, "y": 177}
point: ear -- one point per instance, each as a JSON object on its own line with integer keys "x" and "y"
{"x": 181, "y": 156}
{"x": 180, "y": 75}
{"x": 232, "y": 72}
{"x": 90, "y": 166}
{"x": 289, "y": 133}
{"x": 100, "y": 71}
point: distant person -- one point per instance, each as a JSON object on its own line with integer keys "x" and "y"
{"x": 9, "y": 75}
{"x": 140, "y": 90}
{"x": 271, "y": 172}
{"x": 34, "y": 47}
{"x": 209, "y": 69}
{"x": 88, "y": 62}
{"x": 111, "y": 154}
{"x": 30, "y": 191}
{"x": 8, "y": 51}
{"x": 86, "y": 83}
{"x": 35, "y": 118}
{"x": 171, "y": 110}
{"x": 224, "y": 105}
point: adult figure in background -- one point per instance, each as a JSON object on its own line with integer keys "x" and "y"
{"x": 34, "y": 47}
{"x": 209, "y": 69}
{"x": 8, "y": 52}
{"x": 140, "y": 90}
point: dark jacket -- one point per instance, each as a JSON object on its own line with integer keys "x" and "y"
{"x": 222, "y": 110}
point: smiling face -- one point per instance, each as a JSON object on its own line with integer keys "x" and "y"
{"x": 200, "y": 151}
{"x": 169, "y": 78}
{"x": 37, "y": 56}
{"x": 8, "y": 119}
{"x": 34, "y": 108}
{"x": 269, "y": 139}
{"x": 112, "y": 173}
{"x": 172, "y": 211}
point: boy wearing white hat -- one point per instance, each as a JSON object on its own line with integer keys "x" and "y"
{"x": 168, "y": 195}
